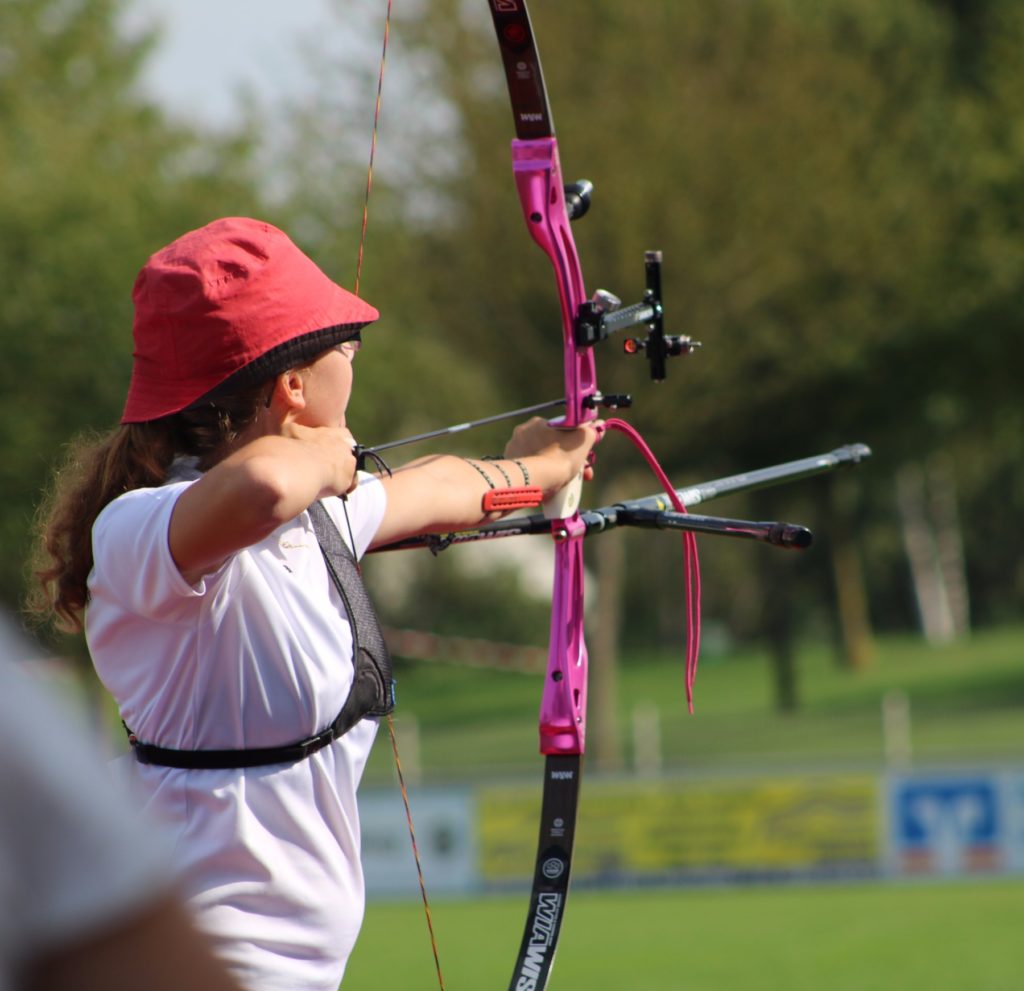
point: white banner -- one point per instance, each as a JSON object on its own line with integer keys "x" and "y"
{"x": 445, "y": 823}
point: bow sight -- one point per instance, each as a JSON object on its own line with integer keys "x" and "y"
{"x": 601, "y": 316}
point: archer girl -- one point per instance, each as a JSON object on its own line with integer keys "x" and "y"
{"x": 184, "y": 544}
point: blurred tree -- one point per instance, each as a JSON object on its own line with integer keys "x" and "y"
{"x": 94, "y": 179}
{"x": 833, "y": 185}
{"x": 836, "y": 190}
{"x": 419, "y": 372}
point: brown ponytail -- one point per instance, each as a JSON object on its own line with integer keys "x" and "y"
{"x": 96, "y": 471}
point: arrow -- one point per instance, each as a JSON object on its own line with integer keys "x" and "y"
{"x": 597, "y": 399}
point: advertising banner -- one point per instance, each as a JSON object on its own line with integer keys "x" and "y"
{"x": 445, "y": 834}
{"x": 674, "y": 829}
{"x": 956, "y": 823}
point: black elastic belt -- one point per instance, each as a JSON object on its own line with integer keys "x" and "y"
{"x": 365, "y": 686}
{"x": 373, "y": 687}
{"x": 148, "y": 753}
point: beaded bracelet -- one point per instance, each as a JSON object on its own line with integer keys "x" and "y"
{"x": 483, "y": 474}
{"x": 522, "y": 468}
{"x": 505, "y": 500}
{"x": 494, "y": 460}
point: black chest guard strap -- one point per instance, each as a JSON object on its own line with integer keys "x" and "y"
{"x": 371, "y": 694}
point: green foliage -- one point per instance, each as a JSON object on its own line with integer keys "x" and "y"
{"x": 836, "y": 190}
{"x": 486, "y": 602}
{"x": 835, "y": 185}
{"x": 964, "y": 703}
{"x": 809, "y": 170}
{"x": 94, "y": 180}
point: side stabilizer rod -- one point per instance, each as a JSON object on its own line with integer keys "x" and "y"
{"x": 789, "y": 535}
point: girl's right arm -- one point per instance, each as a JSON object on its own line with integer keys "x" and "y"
{"x": 255, "y": 489}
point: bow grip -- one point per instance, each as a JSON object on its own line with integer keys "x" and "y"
{"x": 566, "y": 501}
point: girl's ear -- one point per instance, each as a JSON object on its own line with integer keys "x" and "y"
{"x": 289, "y": 391}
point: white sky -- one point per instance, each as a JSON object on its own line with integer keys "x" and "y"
{"x": 212, "y": 47}
{"x": 209, "y": 51}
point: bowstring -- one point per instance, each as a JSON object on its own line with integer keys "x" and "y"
{"x": 415, "y": 851}
{"x": 390, "y": 720}
{"x": 406, "y": 803}
{"x": 373, "y": 146}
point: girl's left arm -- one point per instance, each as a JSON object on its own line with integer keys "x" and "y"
{"x": 439, "y": 493}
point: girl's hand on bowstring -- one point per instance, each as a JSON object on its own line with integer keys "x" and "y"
{"x": 332, "y": 449}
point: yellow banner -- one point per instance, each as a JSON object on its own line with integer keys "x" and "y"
{"x": 677, "y": 827}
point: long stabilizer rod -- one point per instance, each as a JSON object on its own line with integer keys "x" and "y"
{"x": 644, "y": 512}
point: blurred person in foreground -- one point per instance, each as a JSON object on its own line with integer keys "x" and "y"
{"x": 87, "y": 902}
{"x": 243, "y": 654}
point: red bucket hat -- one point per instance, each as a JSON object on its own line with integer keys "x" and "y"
{"x": 228, "y": 305}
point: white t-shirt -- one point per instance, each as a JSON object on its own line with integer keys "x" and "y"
{"x": 74, "y": 858}
{"x": 258, "y": 654}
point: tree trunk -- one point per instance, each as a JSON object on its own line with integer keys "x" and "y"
{"x": 930, "y": 592}
{"x": 778, "y": 626}
{"x": 949, "y": 542}
{"x": 855, "y": 634}
{"x": 604, "y": 738}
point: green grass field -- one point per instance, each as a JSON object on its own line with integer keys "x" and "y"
{"x": 870, "y": 937}
{"x": 966, "y": 707}
{"x": 966, "y": 704}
